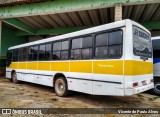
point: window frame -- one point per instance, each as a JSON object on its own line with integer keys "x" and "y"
{"x": 50, "y": 50}
{"x": 9, "y": 61}
{"x": 32, "y": 53}
{"x": 108, "y": 31}
{"x": 16, "y": 56}
{"x": 82, "y": 36}
{"x": 60, "y": 41}
{"x": 11, "y": 51}
{"x": 19, "y": 55}
{"x": 41, "y": 52}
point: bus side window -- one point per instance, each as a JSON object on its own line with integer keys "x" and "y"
{"x": 41, "y": 52}
{"x": 48, "y": 51}
{"x": 22, "y": 54}
{"x": 29, "y": 53}
{"x": 87, "y": 47}
{"x": 15, "y": 55}
{"x": 82, "y": 48}
{"x": 9, "y": 58}
{"x": 60, "y": 50}
{"x": 75, "y": 54}
{"x": 75, "y": 50}
{"x": 108, "y": 45}
{"x": 32, "y": 53}
{"x": 65, "y": 50}
{"x": 9, "y": 55}
{"x": 101, "y": 49}
{"x": 115, "y": 44}
{"x": 56, "y": 50}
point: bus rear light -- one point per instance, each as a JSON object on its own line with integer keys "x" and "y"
{"x": 144, "y": 82}
{"x": 152, "y": 80}
{"x": 135, "y": 84}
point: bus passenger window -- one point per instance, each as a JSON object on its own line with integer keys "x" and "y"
{"x": 82, "y": 48}
{"x": 115, "y": 44}
{"x": 22, "y": 54}
{"x": 57, "y": 46}
{"x": 9, "y": 58}
{"x": 56, "y": 55}
{"x": 109, "y": 45}
{"x": 56, "y": 51}
{"x": 15, "y": 55}
{"x": 42, "y": 52}
{"x": 115, "y": 51}
{"x": 87, "y": 53}
{"x": 87, "y": 47}
{"x": 115, "y": 38}
{"x": 60, "y": 50}
{"x": 48, "y": 52}
{"x": 64, "y": 50}
{"x": 75, "y": 54}
{"x": 64, "y": 55}
{"x": 102, "y": 39}
{"x": 9, "y": 55}
{"x": 33, "y": 53}
{"x": 65, "y": 45}
{"x": 101, "y": 50}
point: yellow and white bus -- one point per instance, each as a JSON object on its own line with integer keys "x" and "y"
{"x": 111, "y": 59}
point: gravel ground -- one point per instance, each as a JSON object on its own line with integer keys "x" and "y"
{"x": 28, "y": 95}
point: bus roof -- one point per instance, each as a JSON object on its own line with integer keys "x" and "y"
{"x": 82, "y": 32}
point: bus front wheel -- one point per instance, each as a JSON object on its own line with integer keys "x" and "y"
{"x": 14, "y": 78}
{"x": 156, "y": 88}
{"x": 61, "y": 87}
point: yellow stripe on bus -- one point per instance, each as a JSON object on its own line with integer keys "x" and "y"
{"x": 114, "y": 67}
{"x": 138, "y": 67}
{"x": 108, "y": 67}
{"x": 21, "y": 65}
{"x": 43, "y": 66}
{"x": 81, "y": 66}
{"x": 13, "y": 65}
{"x": 60, "y": 66}
{"x": 32, "y": 65}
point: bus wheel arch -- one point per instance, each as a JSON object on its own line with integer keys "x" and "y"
{"x": 14, "y": 77}
{"x": 60, "y": 85}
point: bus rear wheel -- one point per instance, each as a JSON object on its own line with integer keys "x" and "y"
{"x": 61, "y": 87}
{"x": 14, "y": 78}
{"x": 156, "y": 88}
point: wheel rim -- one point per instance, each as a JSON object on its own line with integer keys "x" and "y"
{"x": 157, "y": 88}
{"x": 60, "y": 87}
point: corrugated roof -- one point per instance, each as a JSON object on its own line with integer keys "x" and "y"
{"x": 138, "y": 13}
{"x": 14, "y": 2}
{"x": 142, "y": 13}
{"x": 71, "y": 19}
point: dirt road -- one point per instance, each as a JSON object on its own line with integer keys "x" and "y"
{"x": 28, "y": 95}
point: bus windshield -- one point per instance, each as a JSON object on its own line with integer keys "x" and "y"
{"x": 141, "y": 43}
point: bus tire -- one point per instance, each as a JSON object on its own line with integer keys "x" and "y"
{"x": 14, "y": 78}
{"x": 156, "y": 88}
{"x": 61, "y": 87}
